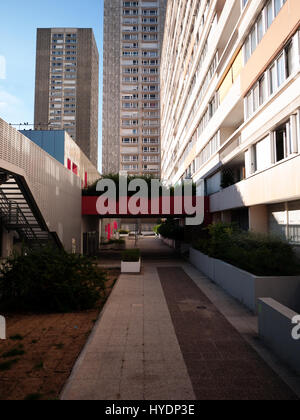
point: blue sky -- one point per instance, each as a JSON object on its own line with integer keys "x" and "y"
{"x": 19, "y": 21}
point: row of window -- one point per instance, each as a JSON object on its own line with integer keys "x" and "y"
{"x": 61, "y": 36}
{"x": 135, "y": 12}
{"x": 135, "y": 140}
{"x": 280, "y": 70}
{"x": 277, "y": 146}
{"x": 143, "y": 53}
{"x": 267, "y": 85}
{"x": 262, "y": 24}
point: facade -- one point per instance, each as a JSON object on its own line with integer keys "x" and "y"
{"x": 230, "y": 82}
{"x": 64, "y": 149}
{"x": 131, "y": 86}
{"x": 67, "y": 85}
{"x": 46, "y": 194}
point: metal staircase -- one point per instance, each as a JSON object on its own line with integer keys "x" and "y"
{"x": 20, "y": 213}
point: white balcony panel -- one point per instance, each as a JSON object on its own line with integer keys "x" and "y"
{"x": 261, "y": 188}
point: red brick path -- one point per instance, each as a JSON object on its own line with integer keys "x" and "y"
{"x": 220, "y": 363}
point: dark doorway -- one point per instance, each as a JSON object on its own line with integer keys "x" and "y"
{"x": 241, "y": 218}
{"x": 91, "y": 243}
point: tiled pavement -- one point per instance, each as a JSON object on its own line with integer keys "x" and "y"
{"x": 164, "y": 340}
{"x": 220, "y": 363}
{"x": 133, "y": 353}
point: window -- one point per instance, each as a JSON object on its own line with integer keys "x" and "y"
{"x": 262, "y": 90}
{"x": 269, "y": 13}
{"x": 253, "y": 39}
{"x": 278, "y": 5}
{"x": 260, "y": 29}
{"x": 281, "y": 70}
{"x": 290, "y": 62}
{"x": 273, "y": 79}
{"x": 249, "y": 105}
{"x": 247, "y": 50}
{"x": 280, "y": 143}
{"x": 262, "y": 155}
{"x": 256, "y": 97}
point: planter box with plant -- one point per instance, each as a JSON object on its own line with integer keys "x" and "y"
{"x": 249, "y": 265}
{"x": 131, "y": 261}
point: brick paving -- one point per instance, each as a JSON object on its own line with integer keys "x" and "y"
{"x": 220, "y": 363}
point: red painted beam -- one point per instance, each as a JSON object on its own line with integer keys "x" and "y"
{"x": 89, "y": 208}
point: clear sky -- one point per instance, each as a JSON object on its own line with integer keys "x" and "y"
{"x": 19, "y": 21}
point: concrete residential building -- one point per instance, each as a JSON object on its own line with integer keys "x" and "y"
{"x": 67, "y": 85}
{"x": 131, "y": 86}
{"x": 230, "y": 82}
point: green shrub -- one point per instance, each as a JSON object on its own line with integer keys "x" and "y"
{"x": 131, "y": 255}
{"x": 48, "y": 281}
{"x": 171, "y": 230}
{"x": 262, "y": 255}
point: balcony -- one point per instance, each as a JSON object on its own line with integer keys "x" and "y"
{"x": 266, "y": 187}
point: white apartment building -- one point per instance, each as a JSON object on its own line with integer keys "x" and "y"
{"x": 133, "y": 32}
{"x": 230, "y": 82}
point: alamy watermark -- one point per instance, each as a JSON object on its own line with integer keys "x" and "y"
{"x": 136, "y": 199}
{"x": 296, "y": 329}
{"x": 2, "y": 328}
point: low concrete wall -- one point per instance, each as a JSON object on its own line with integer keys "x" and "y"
{"x": 170, "y": 242}
{"x": 203, "y": 263}
{"x": 246, "y": 287}
{"x": 276, "y": 328}
{"x": 179, "y": 246}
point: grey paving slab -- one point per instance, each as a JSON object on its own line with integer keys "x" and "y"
{"x": 133, "y": 353}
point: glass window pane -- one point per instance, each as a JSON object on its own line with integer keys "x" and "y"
{"x": 249, "y": 105}
{"x": 277, "y": 6}
{"x": 280, "y": 70}
{"x": 290, "y": 65}
{"x": 256, "y": 97}
{"x": 247, "y": 50}
{"x": 253, "y": 39}
{"x": 262, "y": 90}
{"x": 273, "y": 79}
{"x": 269, "y": 13}
{"x": 260, "y": 29}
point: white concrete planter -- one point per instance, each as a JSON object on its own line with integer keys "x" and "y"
{"x": 276, "y": 324}
{"x": 246, "y": 287}
{"x": 131, "y": 267}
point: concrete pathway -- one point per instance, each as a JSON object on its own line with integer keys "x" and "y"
{"x": 133, "y": 353}
{"x": 147, "y": 343}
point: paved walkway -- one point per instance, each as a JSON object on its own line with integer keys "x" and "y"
{"x": 161, "y": 338}
{"x": 220, "y": 363}
{"x": 134, "y": 353}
